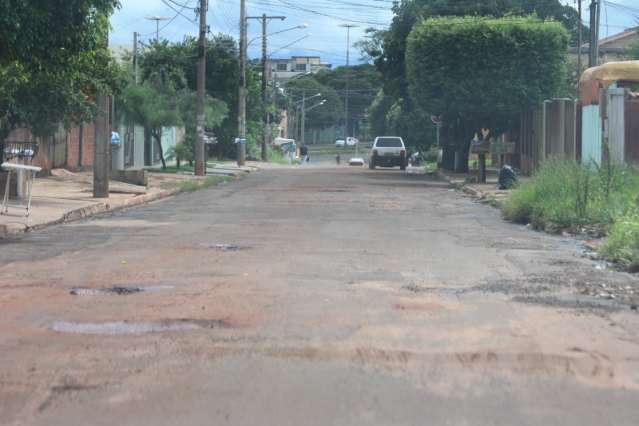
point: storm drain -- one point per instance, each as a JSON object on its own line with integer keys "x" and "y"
{"x": 136, "y": 327}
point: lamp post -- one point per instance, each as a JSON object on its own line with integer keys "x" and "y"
{"x": 348, "y": 56}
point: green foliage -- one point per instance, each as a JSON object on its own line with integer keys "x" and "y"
{"x": 622, "y": 244}
{"x": 53, "y": 59}
{"x": 387, "y": 48}
{"x": 564, "y": 194}
{"x": 176, "y": 63}
{"x": 363, "y": 82}
{"x": 485, "y": 70}
{"x": 378, "y": 112}
{"x": 321, "y": 117}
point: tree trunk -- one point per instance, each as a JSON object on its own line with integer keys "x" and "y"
{"x": 148, "y": 143}
{"x": 448, "y": 149}
{"x": 157, "y": 135}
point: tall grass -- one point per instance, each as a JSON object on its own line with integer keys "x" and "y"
{"x": 565, "y": 194}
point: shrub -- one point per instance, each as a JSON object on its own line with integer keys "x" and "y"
{"x": 622, "y": 245}
{"x": 565, "y": 194}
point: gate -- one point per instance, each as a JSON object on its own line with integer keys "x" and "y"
{"x": 632, "y": 131}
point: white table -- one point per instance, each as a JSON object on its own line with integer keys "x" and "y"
{"x": 13, "y": 167}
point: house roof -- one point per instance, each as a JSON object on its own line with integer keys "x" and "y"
{"x": 606, "y": 42}
{"x": 627, "y": 33}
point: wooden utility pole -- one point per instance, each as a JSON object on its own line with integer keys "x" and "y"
{"x": 595, "y": 11}
{"x": 200, "y": 160}
{"x": 265, "y": 20}
{"x": 101, "y": 144}
{"x": 579, "y": 42}
{"x": 135, "y": 57}
{"x": 241, "y": 117}
{"x": 347, "y": 95}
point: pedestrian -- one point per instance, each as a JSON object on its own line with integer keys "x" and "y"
{"x": 338, "y": 158}
{"x": 303, "y": 155}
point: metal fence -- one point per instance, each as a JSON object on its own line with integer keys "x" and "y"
{"x": 550, "y": 131}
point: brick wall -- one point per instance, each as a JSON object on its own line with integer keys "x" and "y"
{"x": 73, "y": 146}
{"x": 45, "y": 159}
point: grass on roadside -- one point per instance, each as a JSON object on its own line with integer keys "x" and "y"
{"x": 172, "y": 169}
{"x": 622, "y": 244}
{"x": 565, "y": 195}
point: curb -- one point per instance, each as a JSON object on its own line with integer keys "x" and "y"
{"x": 473, "y": 192}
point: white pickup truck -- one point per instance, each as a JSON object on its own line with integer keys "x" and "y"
{"x": 388, "y": 151}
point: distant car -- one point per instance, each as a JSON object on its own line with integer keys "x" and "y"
{"x": 388, "y": 151}
{"x": 356, "y": 161}
{"x": 340, "y": 142}
{"x": 351, "y": 141}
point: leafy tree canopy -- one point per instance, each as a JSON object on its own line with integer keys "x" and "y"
{"x": 321, "y": 117}
{"x": 387, "y": 48}
{"x": 177, "y": 63}
{"x": 484, "y": 70}
{"x": 53, "y": 59}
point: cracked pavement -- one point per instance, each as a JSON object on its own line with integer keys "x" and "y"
{"x": 313, "y": 296}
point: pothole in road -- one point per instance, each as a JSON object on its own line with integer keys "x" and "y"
{"x": 116, "y": 290}
{"x": 331, "y": 190}
{"x": 447, "y": 291}
{"x": 136, "y": 327}
{"x": 111, "y": 291}
{"x": 224, "y": 247}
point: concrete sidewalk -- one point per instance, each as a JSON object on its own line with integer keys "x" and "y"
{"x": 66, "y": 196}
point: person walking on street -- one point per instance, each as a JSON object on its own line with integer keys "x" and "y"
{"x": 303, "y": 155}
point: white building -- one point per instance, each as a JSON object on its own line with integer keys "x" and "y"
{"x": 285, "y": 69}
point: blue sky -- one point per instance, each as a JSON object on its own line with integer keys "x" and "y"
{"x": 325, "y": 37}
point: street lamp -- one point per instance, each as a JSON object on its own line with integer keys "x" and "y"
{"x": 348, "y": 56}
{"x": 297, "y": 27}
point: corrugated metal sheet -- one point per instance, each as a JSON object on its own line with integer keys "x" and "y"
{"x": 616, "y": 125}
{"x": 591, "y": 134}
{"x": 632, "y": 131}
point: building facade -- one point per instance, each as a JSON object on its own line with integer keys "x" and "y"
{"x": 282, "y": 70}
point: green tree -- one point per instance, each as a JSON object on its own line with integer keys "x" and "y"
{"x": 387, "y": 48}
{"x": 321, "y": 117}
{"x": 53, "y": 59}
{"x": 177, "y": 63}
{"x": 364, "y": 82}
{"x": 481, "y": 72}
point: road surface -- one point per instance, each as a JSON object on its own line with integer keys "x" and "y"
{"x": 319, "y": 296}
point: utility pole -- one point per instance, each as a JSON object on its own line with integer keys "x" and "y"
{"x": 348, "y": 82}
{"x": 579, "y": 42}
{"x": 241, "y": 117}
{"x": 135, "y": 57}
{"x": 265, "y": 20}
{"x": 200, "y": 161}
{"x": 595, "y": 12}
{"x": 157, "y": 20}
{"x": 101, "y": 146}
{"x": 303, "y": 135}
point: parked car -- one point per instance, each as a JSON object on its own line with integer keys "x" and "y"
{"x": 340, "y": 142}
{"x": 350, "y": 141}
{"x": 388, "y": 151}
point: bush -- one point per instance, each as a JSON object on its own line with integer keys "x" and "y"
{"x": 565, "y": 194}
{"x": 622, "y": 245}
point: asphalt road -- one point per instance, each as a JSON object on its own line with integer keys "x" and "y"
{"x": 319, "y": 296}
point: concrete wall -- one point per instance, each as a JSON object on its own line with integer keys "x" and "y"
{"x": 591, "y": 135}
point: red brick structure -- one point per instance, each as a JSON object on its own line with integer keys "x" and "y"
{"x": 71, "y": 149}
